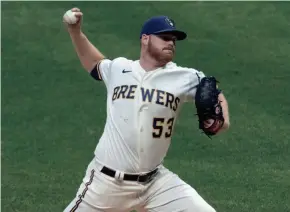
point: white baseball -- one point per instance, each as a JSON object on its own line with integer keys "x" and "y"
{"x": 69, "y": 17}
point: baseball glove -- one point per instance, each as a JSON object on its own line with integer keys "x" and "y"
{"x": 208, "y": 106}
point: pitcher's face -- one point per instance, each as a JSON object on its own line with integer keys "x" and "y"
{"x": 161, "y": 47}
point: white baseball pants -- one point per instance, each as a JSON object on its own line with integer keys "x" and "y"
{"x": 165, "y": 193}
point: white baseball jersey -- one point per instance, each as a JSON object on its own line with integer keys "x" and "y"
{"x": 142, "y": 108}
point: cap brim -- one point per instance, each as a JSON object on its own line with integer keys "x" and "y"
{"x": 180, "y": 35}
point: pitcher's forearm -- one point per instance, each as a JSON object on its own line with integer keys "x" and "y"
{"x": 225, "y": 109}
{"x": 88, "y": 54}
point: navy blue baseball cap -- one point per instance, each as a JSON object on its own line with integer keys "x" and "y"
{"x": 161, "y": 24}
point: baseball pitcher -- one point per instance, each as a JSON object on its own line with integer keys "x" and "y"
{"x": 144, "y": 98}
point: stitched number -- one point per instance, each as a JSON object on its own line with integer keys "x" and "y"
{"x": 159, "y": 124}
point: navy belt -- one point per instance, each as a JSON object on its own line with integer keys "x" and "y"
{"x": 132, "y": 177}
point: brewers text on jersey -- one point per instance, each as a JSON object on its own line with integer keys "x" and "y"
{"x": 148, "y": 95}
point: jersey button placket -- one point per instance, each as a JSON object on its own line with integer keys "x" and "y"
{"x": 142, "y": 109}
{"x": 140, "y": 119}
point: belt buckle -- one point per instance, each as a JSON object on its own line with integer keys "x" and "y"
{"x": 149, "y": 178}
{"x": 139, "y": 176}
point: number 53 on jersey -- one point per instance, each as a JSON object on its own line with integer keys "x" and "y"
{"x": 162, "y": 127}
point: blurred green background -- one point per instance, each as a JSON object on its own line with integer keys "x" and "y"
{"x": 53, "y": 113}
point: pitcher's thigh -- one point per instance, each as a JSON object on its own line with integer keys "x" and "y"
{"x": 176, "y": 195}
{"x": 78, "y": 205}
{"x": 101, "y": 193}
{"x": 81, "y": 202}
